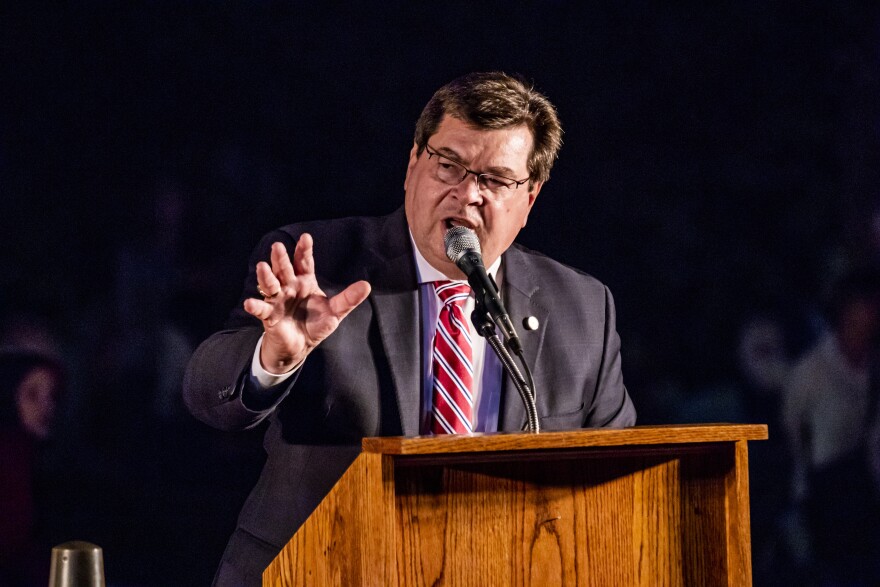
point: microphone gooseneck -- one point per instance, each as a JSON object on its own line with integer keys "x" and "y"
{"x": 463, "y": 249}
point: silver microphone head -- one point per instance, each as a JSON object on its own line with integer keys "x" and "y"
{"x": 459, "y": 239}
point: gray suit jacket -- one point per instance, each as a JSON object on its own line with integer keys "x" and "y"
{"x": 364, "y": 380}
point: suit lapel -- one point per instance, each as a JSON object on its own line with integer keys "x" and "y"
{"x": 394, "y": 297}
{"x": 519, "y": 294}
{"x": 395, "y": 302}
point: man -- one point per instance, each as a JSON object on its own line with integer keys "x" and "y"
{"x": 338, "y": 343}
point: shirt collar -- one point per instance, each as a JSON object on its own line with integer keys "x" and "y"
{"x": 428, "y": 273}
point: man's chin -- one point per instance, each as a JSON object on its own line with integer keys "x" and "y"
{"x": 446, "y": 267}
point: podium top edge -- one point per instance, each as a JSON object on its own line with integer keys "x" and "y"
{"x": 583, "y": 438}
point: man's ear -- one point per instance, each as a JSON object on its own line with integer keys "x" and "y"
{"x": 413, "y": 159}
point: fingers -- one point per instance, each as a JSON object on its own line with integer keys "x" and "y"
{"x": 349, "y": 298}
{"x": 303, "y": 256}
{"x": 258, "y": 308}
{"x": 282, "y": 272}
{"x": 266, "y": 279}
{"x": 281, "y": 266}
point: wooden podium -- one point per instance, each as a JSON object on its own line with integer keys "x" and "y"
{"x": 649, "y": 505}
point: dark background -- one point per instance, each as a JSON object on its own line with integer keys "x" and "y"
{"x": 719, "y": 159}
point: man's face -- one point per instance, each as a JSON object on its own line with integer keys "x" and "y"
{"x": 432, "y": 206}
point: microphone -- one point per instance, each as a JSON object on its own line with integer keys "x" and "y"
{"x": 463, "y": 249}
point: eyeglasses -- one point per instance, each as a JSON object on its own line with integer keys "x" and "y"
{"x": 452, "y": 172}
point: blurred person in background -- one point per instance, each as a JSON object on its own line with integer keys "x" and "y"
{"x": 765, "y": 350}
{"x": 31, "y": 384}
{"x": 828, "y": 408}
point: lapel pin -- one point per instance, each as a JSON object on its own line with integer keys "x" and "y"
{"x": 530, "y": 323}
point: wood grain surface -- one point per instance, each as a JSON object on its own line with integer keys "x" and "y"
{"x": 535, "y": 511}
{"x": 503, "y": 441}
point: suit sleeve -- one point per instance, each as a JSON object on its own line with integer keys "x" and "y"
{"x": 217, "y": 382}
{"x": 217, "y": 386}
{"x": 611, "y": 406}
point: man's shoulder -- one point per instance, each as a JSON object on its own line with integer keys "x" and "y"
{"x": 550, "y": 271}
{"x": 342, "y": 236}
{"x": 344, "y": 247}
{"x": 351, "y": 227}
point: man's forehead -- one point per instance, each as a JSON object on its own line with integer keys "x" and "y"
{"x": 463, "y": 141}
{"x": 451, "y": 123}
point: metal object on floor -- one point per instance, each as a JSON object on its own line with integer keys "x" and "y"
{"x": 77, "y": 564}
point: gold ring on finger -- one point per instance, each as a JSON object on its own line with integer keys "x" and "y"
{"x": 265, "y": 295}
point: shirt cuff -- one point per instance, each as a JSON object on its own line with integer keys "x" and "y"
{"x": 263, "y": 377}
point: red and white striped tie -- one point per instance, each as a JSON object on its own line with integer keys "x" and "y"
{"x": 453, "y": 362}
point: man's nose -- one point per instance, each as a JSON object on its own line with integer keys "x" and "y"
{"x": 469, "y": 190}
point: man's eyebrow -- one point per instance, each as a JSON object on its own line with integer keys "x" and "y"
{"x": 504, "y": 171}
{"x": 451, "y": 154}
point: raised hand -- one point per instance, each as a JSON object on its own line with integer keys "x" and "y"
{"x": 296, "y": 314}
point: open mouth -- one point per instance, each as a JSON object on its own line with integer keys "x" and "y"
{"x": 450, "y": 222}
